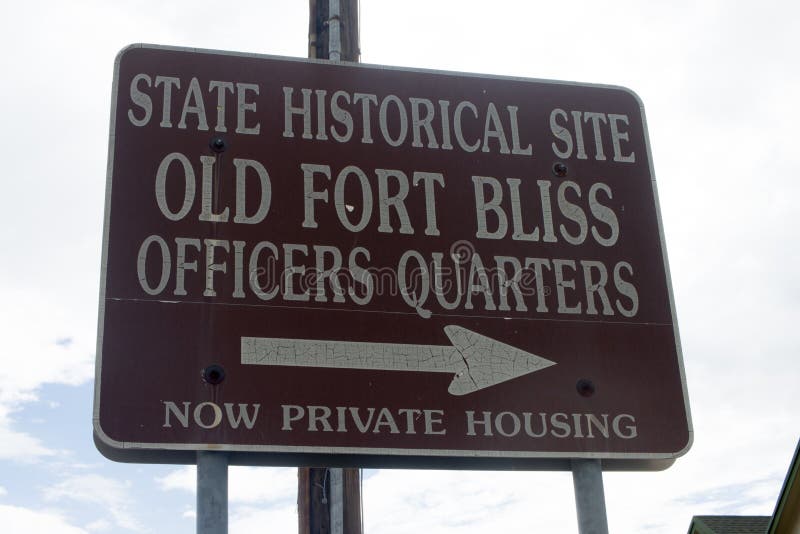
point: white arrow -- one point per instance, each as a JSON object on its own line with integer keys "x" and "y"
{"x": 477, "y": 361}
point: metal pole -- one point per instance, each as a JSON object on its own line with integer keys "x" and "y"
{"x": 334, "y": 33}
{"x": 212, "y": 492}
{"x": 336, "y": 505}
{"x": 590, "y": 501}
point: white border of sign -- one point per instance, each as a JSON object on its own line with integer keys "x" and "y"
{"x": 645, "y": 459}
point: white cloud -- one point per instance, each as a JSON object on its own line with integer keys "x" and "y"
{"x": 19, "y": 446}
{"x": 664, "y": 503}
{"x": 263, "y": 484}
{"x": 246, "y": 520}
{"x": 399, "y": 501}
{"x": 257, "y": 496}
{"x": 3, "y": 491}
{"x": 183, "y": 478}
{"x": 31, "y": 355}
{"x": 246, "y": 485}
{"x": 109, "y": 494}
{"x": 18, "y": 519}
{"x": 100, "y": 525}
{"x": 30, "y": 358}
{"x": 745, "y": 498}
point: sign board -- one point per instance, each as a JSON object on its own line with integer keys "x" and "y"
{"x": 309, "y": 258}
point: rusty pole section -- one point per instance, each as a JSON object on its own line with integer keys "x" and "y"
{"x": 329, "y": 499}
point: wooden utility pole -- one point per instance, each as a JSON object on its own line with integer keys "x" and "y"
{"x": 329, "y": 499}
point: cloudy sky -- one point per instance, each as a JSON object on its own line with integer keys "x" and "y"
{"x": 719, "y": 81}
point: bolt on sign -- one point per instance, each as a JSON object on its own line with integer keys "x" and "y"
{"x": 381, "y": 266}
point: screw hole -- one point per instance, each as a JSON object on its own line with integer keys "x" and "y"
{"x": 218, "y": 144}
{"x": 585, "y": 387}
{"x": 559, "y": 169}
{"x": 213, "y": 374}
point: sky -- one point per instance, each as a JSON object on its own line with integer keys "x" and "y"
{"x": 719, "y": 81}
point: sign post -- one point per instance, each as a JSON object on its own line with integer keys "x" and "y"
{"x": 212, "y": 492}
{"x": 590, "y": 502}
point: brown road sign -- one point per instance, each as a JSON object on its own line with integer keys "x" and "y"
{"x": 384, "y": 266}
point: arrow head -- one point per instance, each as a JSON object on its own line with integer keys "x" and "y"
{"x": 488, "y": 362}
